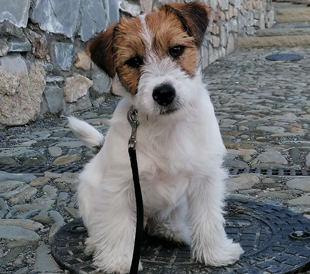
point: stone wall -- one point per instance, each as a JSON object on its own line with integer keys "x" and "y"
{"x": 44, "y": 70}
{"x": 233, "y": 19}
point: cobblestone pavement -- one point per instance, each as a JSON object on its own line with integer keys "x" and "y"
{"x": 263, "y": 109}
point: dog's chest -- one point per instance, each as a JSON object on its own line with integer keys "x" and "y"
{"x": 166, "y": 164}
{"x": 161, "y": 190}
{"x": 172, "y": 151}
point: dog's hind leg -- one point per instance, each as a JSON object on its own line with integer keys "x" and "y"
{"x": 205, "y": 205}
{"x": 171, "y": 223}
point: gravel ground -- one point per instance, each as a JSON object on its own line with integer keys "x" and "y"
{"x": 263, "y": 109}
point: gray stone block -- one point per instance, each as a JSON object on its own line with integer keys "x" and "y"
{"x": 9, "y": 30}
{"x": 241, "y": 22}
{"x": 224, "y": 5}
{"x": 215, "y": 41}
{"x": 23, "y": 177}
{"x": 20, "y": 46}
{"x": 48, "y": 67}
{"x": 101, "y": 85}
{"x": 231, "y": 43}
{"x": 132, "y": 9}
{"x": 55, "y": 99}
{"x": 232, "y": 25}
{"x": 112, "y": 9}
{"x": 250, "y": 18}
{"x": 55, "y": 151}
{"x": 57, "y": 16}
{"x": 43, "y": 108}
{"x": 64, "y": 54}
{"x": 14, "y": 63}
{"x": 4, "y": 48}
{"x": 269, "y": 18}
{"x": 213, "y": 54}
{"x": 223, "y": 36}
{"x": 300, "y": 183}
{"x": 15, "y": 11}
{"x": 308, "y": 160}
{"x": 18, "y": 236}
{"x": 7, "y": 161}
{"x": 54, "y": 79}
{"x": 36, "y": 160}
{"x": 235, "y": 164}
{"x": 94, "y": 18}
{"x": 81, "y": 104}
{"x": 3, "y": 208}
{"x": 204, "y": 56}
{"x": 44, "y": 262}
{"x": 211, "y": 3}
{"x": 236, "y": 3}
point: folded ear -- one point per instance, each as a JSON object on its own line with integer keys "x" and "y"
{"x": 195, "y": 18}
{"x": 100, "y": 50}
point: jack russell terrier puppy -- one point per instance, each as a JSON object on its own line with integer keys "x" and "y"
{"x": 179, "y": 147}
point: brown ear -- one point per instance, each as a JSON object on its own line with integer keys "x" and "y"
{"x": 100, "y": 50}
{"x": 195, "y": 18}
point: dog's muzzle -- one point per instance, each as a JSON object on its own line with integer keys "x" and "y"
{"x": 164, "y": 94}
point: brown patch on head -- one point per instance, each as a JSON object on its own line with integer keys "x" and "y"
{"x": 100, "y": 50}
{"x": 168, "y": 33}
{"x": 111, "y": 50}
{"x": 178, "y": 25}
{"x": 197, "y": 18}
{"x": 130, "y": 51}
{"x": 174, "y": 28}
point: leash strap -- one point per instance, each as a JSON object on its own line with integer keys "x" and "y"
{"x": 132, "y": 119}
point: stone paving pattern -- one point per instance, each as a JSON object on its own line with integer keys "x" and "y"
{"x": 263, "y": 108}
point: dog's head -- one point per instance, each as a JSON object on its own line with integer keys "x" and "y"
{"x": 156, "y": 56}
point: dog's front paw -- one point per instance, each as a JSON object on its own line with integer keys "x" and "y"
{"x": 221, "y": 255}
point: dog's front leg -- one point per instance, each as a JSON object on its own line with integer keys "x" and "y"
{"x": 171, "y": 223}
{"x": 112, "y": 230}
{"x": 210, "y": 244}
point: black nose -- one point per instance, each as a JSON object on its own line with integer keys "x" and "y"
{"x": 164, "y": 94}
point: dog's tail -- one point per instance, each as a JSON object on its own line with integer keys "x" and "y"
{"x": 91, "y": 137}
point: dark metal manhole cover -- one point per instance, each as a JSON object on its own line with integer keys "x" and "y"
{"x": 75, "y": 168}
{"x": 275, "y": 240}
{"x": 284, "y": 57}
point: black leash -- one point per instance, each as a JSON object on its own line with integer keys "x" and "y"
{"x": 132, "y": 119}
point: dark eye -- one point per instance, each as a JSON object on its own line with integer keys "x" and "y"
{"x": 134, "y": 62}
{"x": 176, "y": 51}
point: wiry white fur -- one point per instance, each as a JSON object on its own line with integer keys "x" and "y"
{"x": 179, "y": 157}
{"x": 91, "y": 137}
{"x": 146, "y": 34}
{"x": 180, "y": 166}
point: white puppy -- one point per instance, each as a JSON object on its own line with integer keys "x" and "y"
{"x": 179, "y": 146}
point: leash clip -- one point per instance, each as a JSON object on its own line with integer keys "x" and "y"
{"x": 132, "y": 119}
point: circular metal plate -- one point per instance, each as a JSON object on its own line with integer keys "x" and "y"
{"x": 284, "y": 57}
{"x": 275, "y": 240}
